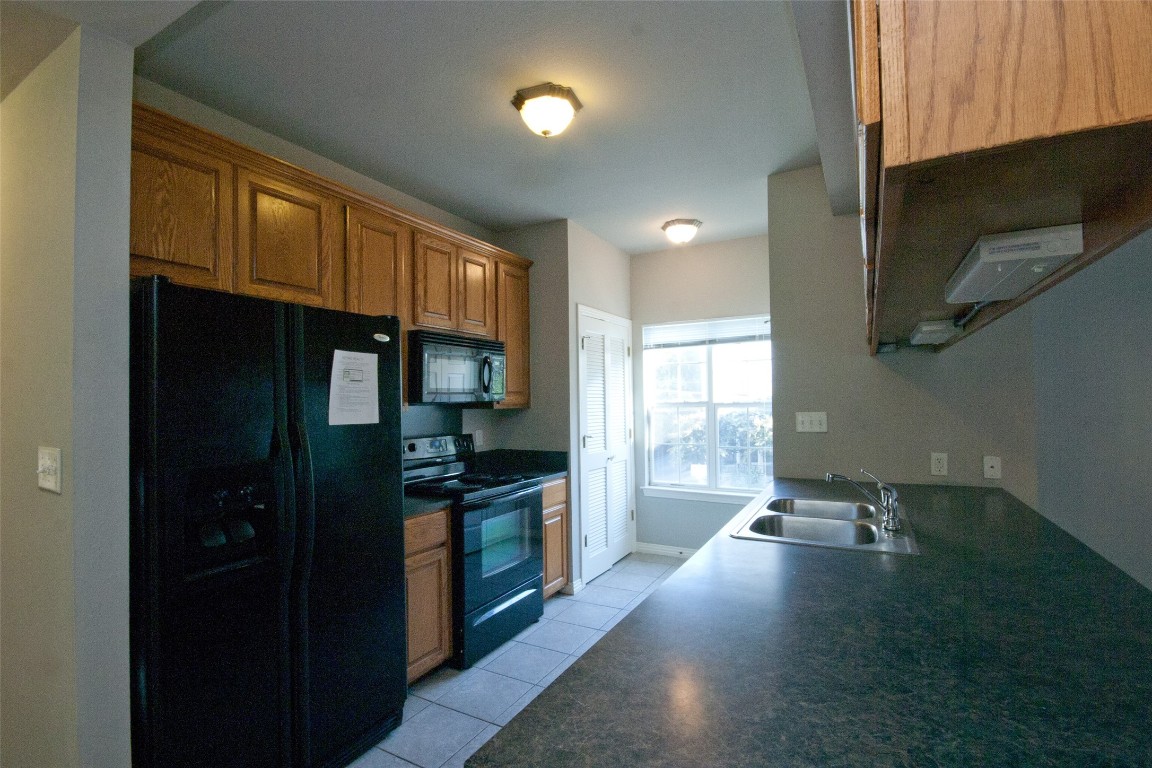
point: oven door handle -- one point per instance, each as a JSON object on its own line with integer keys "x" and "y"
{"x": 513, "y": 496}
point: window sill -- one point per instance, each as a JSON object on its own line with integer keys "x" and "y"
{"x": 739, "y": 498}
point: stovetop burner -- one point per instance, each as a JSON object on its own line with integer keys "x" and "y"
{"x": 441, "y": 466}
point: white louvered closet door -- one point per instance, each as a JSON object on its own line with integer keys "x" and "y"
{"x": 606, "y": 519}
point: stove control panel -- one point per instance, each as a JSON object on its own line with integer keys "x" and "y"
{"x": 444, "y": 447}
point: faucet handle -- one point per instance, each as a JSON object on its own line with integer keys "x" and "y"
{"x": 887, "y": 492}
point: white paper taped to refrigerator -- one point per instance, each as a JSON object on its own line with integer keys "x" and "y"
{"x": 354, "y": 397}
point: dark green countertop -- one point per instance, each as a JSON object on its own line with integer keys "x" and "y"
{"x": 1005, "y": 643}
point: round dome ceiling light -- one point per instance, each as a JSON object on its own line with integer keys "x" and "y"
{"x": 681, "y": 231}
{"x": 547, "y": 109}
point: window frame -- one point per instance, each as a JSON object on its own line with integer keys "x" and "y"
{"x": 711, "y": 490}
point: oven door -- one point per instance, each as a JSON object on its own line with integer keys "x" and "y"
{"x": 503, "y": 540}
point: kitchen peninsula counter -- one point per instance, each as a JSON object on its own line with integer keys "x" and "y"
{"x": 1006, "y": 642}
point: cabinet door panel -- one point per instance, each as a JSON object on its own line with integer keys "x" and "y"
{"x": 512, "y": 329}
{"x": 555, "y": 550}
{"x": 181, "y": 214}
{"x": 378, "y": 250}
{"x": 477, "y": 294}
{"x": 286, "y": 240}
{"x": 434, "y": 282}
{"x": 429, "y": 612}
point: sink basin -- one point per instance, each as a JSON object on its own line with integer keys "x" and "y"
{"x": 831, "y": 510}
{"x": 823, "y": 523}
{"x": 844, "y": 533}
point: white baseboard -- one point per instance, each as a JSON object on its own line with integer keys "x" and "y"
{"x": 663, "y": 549}
{"x": 573, "y": 587}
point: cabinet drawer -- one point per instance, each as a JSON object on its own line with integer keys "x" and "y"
{"x": 425, "y": 532}
{"x": 555, "y": 493}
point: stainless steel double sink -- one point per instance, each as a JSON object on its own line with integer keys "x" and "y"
{"x": 823, "y": 523}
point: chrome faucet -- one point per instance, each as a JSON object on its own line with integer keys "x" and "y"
{"x": 886, "y": 502}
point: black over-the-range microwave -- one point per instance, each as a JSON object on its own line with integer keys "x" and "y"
{"x": 454, "y": 369}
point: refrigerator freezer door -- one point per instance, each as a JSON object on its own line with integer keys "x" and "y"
{"x": 350, "y": 568}
{"x": 210, "y": 522}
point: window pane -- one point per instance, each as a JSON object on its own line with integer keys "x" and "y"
{"x": 675, "y": 375}
{"x": 745, "y": 446}
{"x": 678, "y": 441}
{"x": 743, "y": 372}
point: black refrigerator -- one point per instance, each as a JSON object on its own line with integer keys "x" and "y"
{"x": 267, "y": 571}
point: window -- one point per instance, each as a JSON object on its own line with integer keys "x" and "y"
{"x": 708, "y": 404}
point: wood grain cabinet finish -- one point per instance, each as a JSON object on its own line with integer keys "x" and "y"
{"x": 181, "y": 213}
{"x": 427, "y": 579}
{"x": 377, "y": 252}
{"x": 477, "y": 294}
{"x": 288, "y": 236}
{"x": 453, "y": 287}
{"x": 556, "y": 537}
{"x": 994, "y": 117}
{"x": 512, "y": 327}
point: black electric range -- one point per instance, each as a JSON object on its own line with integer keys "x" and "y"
{"x": 497, "y": 541}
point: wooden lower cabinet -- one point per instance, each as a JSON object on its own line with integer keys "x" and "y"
{"x": 556, "y": 537}
{"x": 428, "y": 585}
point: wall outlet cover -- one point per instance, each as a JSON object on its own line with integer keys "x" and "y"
{"x": 939, "y": 464}
{"x": 992, "y": 468}
{"x": 48, "y": 469}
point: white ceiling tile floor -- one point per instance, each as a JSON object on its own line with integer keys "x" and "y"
{"x": 451, "y": 713}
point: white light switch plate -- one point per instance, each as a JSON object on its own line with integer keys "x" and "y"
{"x": 811, "y": 421}
{"x": 48, "y": 468}
{"x": 992, "y": 470}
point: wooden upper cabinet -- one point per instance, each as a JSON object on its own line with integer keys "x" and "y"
{"x": 435, "y": 276}
{"x": 965, "y": 75}
{"x": 512, "y": 328}
{"x": 453, "y": 288}
{"x": 997, "y": 117}
{"x": 477, "y": 294}
{"x": 377, "y": 253}
{"x": 287, "y": 238}
{"x": 181, "y": 213}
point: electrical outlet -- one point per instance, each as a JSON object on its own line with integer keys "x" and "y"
{"x": 811, "y": 421}
{"x": 48, "y": 469}
{"x": 477, "y": 438}
{"x": 940, "y": 464}
{"x": 992, "y": 467}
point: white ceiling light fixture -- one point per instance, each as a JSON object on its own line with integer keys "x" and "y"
{"x": 547, "y": 109}
{"x": 681, "y": 231}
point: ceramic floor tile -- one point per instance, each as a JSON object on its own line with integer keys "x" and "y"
{"x": 530, "y": 663}
{"x": 655, "y": 570}
{"x": 432, "y": 737}
{"x": 555, "y": 604}
{"x": 613, "y": 598}
{"x": 484, "y": 694}
{"x": 551, "y": 676}
{"x": 558, "y": 636}
{"x": 520, "y": 703}
{"x": 378, "y": 758}
{"x": 587, "y": 615}
{"x": 413, "y": 705}
{"x": 530, "y": 629}
{"x": 432, "y": 687}
{"x": 665, "y": 559}
{"x": 591, "y": 641}
{"x": 615, "y": 619}
{"x": 457, "y": 760}
{"x": 636, "y": 582}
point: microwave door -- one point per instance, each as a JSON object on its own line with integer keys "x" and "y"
{"x": 451, "y": 375}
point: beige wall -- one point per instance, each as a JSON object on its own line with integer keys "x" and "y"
{"x": 728, "y": 279}
{"x": 543, "y": 426}
{"x": 1094, "y": 406}
{"x": 63, "y": 320}
{"x": 889, "y": 412}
